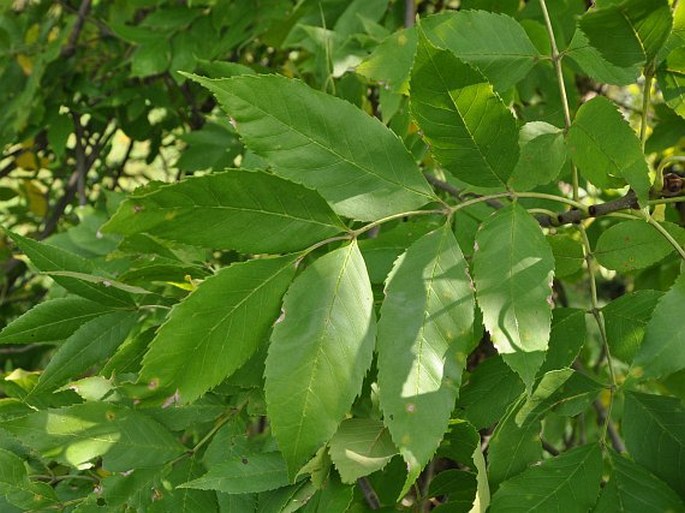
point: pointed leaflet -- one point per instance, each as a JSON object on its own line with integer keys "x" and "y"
{"x": 249, "y": 211}
{"x": 49, "y": 259}
{"x": 91, "y": 344}
{"x": 513, "y": 268}
{"x": 51, "y": 321}
{"x": 626, "y": 319}
{"x": 671, "y": 77}
{"x": 494, "y": 43}
{"x": 606, "y": 150}
{"x": 628, "y": 32}
{"x": 390, "y": 62}
{"x": 74, "y": 435}
{"x": 360, "y": 447}
{"x": 356, "y": 163}
{"x": 425, "y": 333}
{"x": 571, "y": 480}
{"x": 631, "y": 488}
{"x": 254, "y": 473}
{"x": 654, "y": 432}
{"x": 663, "y": 349}
{"x": 543, "y": 154}
{"x": 468, "y": 127}
{"x": 491, "y": 388}
{"x": 319, "y": 353}
{"x": 215, "y": 330}
{"x": 16, "y": 486}
{"x": 631, "y": 245}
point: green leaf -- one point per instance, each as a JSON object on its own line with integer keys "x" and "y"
{"x": 661, "y": 352}
{"x": 334, "y": 497}
{"x": 351, "y": 21}
{"x": 568, "y": 255}
{"x": 425, "y": 334}
{"x": 654, "y": 432}
{"x": 631, "y": 245}
{"x": 571, "y": 480}
{"x": 566, "y": 339}
{"x": 591, "y": 62}
{"x": 50, "y": 259}
{"x": 671, "y": 78}
{"x": 459, "y": 488}
{"x": 390, "y": 62}
{"x": 606, "y": 150}
{"x": 254, "y": 473}
{"x": 217, "y": 328}
{"x": 512, "y": 446}
{"x": 16, "y": 486}
{"x": 491, "y": 388}
{"x": 361, "y": 447}
{"x": 74, "y": 435}
{"x": 631, "y": 488}
{"x": 51, "y": 321}
{"x": 494, "y": 43}
{"x": 91, "y": 344}
{"x": 290, "y": 125}
{"x": 467, "y": 126}
{"x": 320, "y": 351}
{"x": 543, "y": 154}
{"x": 628, "y": 32}
{"x": 513, "y": 269}
{"x": 625, "y": 320}
{"x": 249, "y": 211}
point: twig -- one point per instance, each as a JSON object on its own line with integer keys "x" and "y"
{"x": 409, "y": 13}
{"x": 70, "y": 47}
{"x": 603, "y": 419}
{"x": 370, "y": 495}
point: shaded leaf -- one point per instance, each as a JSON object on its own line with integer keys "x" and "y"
{"x": 491, "y": 388}
{"x": 661, "y": 352}
{"x": 606, "y": 150}
{"x": 51, "y": 321}
{"x": 360, "y": 447}
{"x": 390, "y": 62}
{"x": 92, "y": 343}
{"x": 425, "y": 333}
{"x": 654, "y": 432}
{"x": 571, "y": 479}
{"x": 631, "y": 488}
{"x": 125, "y": 438}
{"x": 566, "y": 339}
{"x": 319, "y": 353}
{"x": 631, "y": 245}
{"x": 513, "y": 269}
{"x": 568, "y": 255}
{"x": 626, "y": 318}
{"x": 542, "y": 155}
{"x": 50, "y": 259}
{"x": 254, "y": 473}
{"x": 16, "y": 486}
{"x": 289, "y": 124}
{"x": 628, "y": 32}
{"x": 467, "y": 126}
{"x": 250, "y": 211}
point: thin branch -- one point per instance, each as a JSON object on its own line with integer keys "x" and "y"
{"x": 603, "y": 419}
{"x": 409, "y": 13}
{"x": 370, "y": 495}
{"x": 70, "y": 47}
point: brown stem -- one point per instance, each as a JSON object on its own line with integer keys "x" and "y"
{"x": 70, "y": 47}
{"x": 616, "y": 441}
{"x": 409, "y": 13}
{"x": 370, "y": 495}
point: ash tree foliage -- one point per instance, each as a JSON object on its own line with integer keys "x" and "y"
{"x": 343, "y": 256}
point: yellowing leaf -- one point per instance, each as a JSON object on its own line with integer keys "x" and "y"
{"x": 35, "y": 196}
